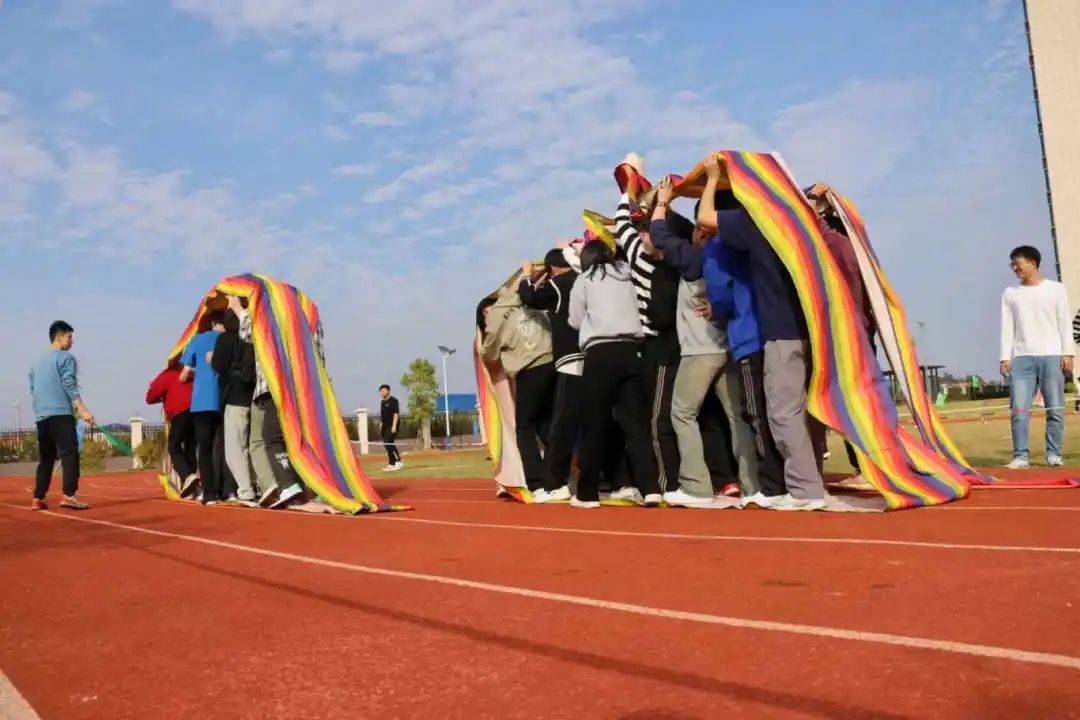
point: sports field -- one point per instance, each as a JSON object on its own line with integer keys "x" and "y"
{"x": 473, "y": 607}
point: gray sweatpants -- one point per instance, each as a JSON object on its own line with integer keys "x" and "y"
{"x": 787, "y": 371}
{"x": 697, "y": 376}
{"x": 237, "y": 426}
{"x": 260, "y": 456}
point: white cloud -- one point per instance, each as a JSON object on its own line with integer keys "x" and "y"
{"x": 342, "y": 60}
{"x": 336, "y": 132}
{"x": 279, "y": 56}
{"x": 854, "y": 136}
{"x": 375, "y": 119}
{"x": 126, "y": 212}
{"x": 78, "y": 100}
{"x": 415, "y": 175}
{"x": 24, "y": 162}
{"x": 356, "y": 170}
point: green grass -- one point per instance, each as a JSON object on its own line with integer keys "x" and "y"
{"x": 470, "y": 463}
{"x": 984, "y": 444}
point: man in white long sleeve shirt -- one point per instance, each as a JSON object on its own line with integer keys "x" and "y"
{"x": 1036, "y": 352}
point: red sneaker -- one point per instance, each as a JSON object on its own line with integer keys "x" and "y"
{"x": 731, "y": 490}
{"x": 39, "y": 505}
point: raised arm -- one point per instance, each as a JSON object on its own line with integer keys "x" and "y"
{"x": 706, "y": 216}
{"x": 679, "y": 252}
{"x": 626, "y": 235}
{"x": 538, "y": 295}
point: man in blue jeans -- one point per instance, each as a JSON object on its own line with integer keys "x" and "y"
{"x": 1036, "y": 352}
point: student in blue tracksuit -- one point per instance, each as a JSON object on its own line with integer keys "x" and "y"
{"x": 729, "y": 287}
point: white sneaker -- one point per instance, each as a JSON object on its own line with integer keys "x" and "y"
{"x": 653, "y": 500}
{"x": 1054, "y": 461}
{"x": 584, "y": 504}
{"x": 399, "y": 466}
{"x": 1019, "y": 463}
{"x": 287, "y": 495}
{"x": 558, "y": 495}
{"x": 788, "y": 503}
{"x": 628, "y": 493}
{"x": 760, "y": 499}
{"x": 188, "y": 485}
{"x": 681, "y": 498}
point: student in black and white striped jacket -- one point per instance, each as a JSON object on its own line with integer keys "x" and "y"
{"x": 656, "y": 286}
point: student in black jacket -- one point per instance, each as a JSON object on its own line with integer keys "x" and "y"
{"x": 234, "y": 361}
{"x": 550, "y": 291}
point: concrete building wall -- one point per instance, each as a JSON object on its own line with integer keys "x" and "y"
{"x": 1054, "y": 33}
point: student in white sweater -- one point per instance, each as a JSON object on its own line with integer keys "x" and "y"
{"x": 1036, "y": 352}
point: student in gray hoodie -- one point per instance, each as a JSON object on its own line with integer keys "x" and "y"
{"x": 704, "y": 365}
{"x": 604, "y": 309}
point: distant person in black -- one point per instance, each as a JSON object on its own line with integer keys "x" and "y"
{"x": 390, "y": 415}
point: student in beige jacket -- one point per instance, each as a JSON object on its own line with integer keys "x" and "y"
{"x": 519, "y": 338}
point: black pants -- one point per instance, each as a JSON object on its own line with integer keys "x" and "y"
{"x": 534, "y": 388}
{"x": 565, "y": 430}
{"x": 716, "y": 434}
{"x": 274, "y": 439}
{"x": 660, "y": 388}
{"x": 182, "y": 444}
{"x": 388, "y": 438}
{"x": 206, "y": 430}
{"x": 851, "y": 456}
{"x": 770, "y": 462}
{"x": 57, "y": 439}
{"x": 613, "y": 384}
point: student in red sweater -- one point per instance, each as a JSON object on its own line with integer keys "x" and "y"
{"x": 167, "y": 389}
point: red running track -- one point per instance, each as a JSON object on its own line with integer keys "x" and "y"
{"x": 476, "y": 608}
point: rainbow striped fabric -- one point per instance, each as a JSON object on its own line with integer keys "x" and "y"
{"x": 897, "y": 342}
{"x": 284, "y": 325}
{"x": 847, "y": 390}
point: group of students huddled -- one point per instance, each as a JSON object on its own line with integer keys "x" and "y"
{"x": 224, "y": 431}
{"x": 674, "y": 366}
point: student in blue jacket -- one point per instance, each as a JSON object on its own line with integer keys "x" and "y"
{"x": 729, "y": 285}
{"x": 786, "y": 345}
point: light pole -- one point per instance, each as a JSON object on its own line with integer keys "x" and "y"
{"x": 446, "y": 352}
{"x": 18, "y": 407}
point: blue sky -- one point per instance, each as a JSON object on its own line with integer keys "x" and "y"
{"x": 398, "y": 160}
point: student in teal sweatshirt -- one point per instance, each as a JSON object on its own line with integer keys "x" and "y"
{"x": 54, "y": 387}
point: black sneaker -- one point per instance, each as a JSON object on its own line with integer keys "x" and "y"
{"x": 269, "y": 496}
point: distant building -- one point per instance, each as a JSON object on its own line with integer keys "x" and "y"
{"x": 459, "y": 402}
{"x": 1053, "y": 30}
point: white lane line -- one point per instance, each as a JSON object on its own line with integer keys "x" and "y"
{"x": 740, "y": 538}
{"x": 397, "y": 517}
{"x": 921, "y": 643}
{"x": 13, "y": 706}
